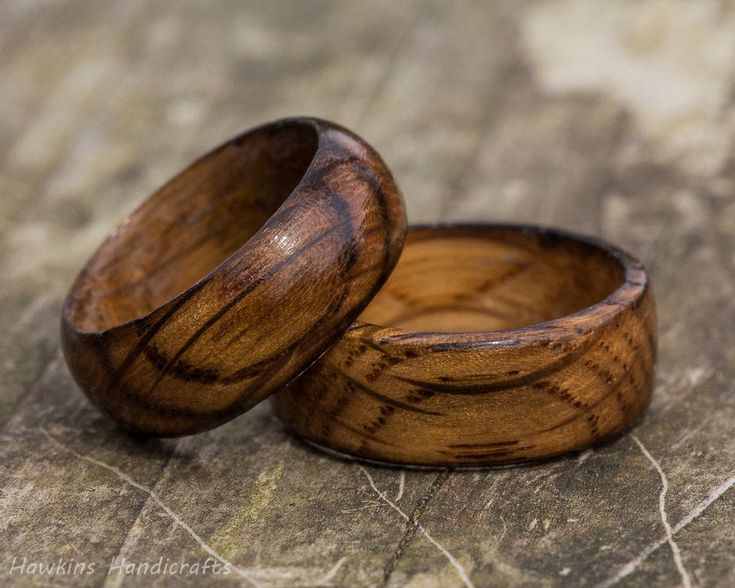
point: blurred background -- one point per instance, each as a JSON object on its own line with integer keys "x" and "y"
{"x": 495, "y": 110}
{"x": 613, "y": 118}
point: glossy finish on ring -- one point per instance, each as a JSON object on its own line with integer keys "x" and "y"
{"x": 233, "y": 277}
{"x": 488, "y": 345}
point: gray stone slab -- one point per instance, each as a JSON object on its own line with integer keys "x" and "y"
{"x": 615, "y": 119}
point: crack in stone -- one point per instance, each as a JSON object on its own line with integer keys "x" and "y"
{"x": 401, "y": 485}
{"x": 632, "y": 565}
{"x": 176, "y": 518}
{"x": 452, "y": 560}
{"x": 412, "y": 524}
{"x": 675, "y": 551}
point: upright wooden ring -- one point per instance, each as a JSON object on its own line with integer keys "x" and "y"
{"x": 233, "y": 277}
{"x": 487, "y": 345}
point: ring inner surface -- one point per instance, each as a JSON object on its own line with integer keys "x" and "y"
{"x": 471, "y": 279}
{"x": 188, "y": 227}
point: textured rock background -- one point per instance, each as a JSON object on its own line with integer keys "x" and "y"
{"x": 611, "y": 118}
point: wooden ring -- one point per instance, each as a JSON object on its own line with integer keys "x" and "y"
{"x": 233, "y": 277}
{"x": 487, "y": 345}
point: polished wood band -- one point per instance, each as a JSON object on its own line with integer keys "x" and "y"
{"x": 487, "y": 345}
{"x": 233, "y": 277}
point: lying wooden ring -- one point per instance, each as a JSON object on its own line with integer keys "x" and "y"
{"x": 497, "y": 344}
{"x": 233, "y": 277}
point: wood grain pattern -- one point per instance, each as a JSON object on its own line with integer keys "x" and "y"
{"x": 233, "y": 277}
{"x": 486, "y": 111}
{"x": 488, "y": 344}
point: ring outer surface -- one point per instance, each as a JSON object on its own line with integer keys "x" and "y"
{"x": 475, "y": 399}
{"x": 288, "y": 292}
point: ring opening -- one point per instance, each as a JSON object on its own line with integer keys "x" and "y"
{"x": 472, "y": 279}
{"x": 190, "y": 226}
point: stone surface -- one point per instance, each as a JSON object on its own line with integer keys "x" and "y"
{"x": 615, "y": 119}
